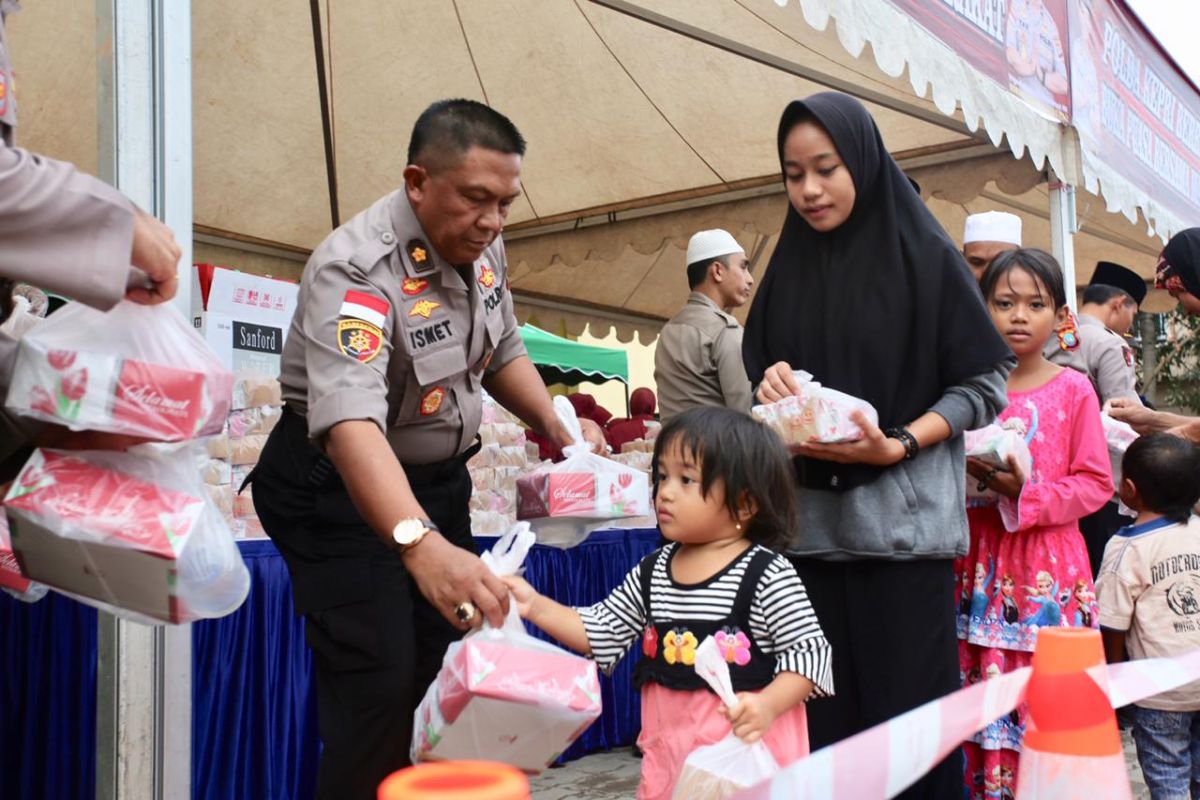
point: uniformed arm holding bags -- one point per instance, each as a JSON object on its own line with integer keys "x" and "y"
{"x": 404, "y": 317}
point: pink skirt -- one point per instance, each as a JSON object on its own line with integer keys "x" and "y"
{"x": 674, "y": 723}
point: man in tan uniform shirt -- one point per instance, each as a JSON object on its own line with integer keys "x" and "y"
{"x": 698, "y": 359}
{"x": 69, "y": 233}
{"x": 404, "y": 316}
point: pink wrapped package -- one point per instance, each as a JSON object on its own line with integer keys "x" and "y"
{"x": 135, "y": 370}
{"x": 817, "y": 414}
{"x": 11, "y": 575}
{"x": 131, "y": 532}
{"x": 994, "y": 445}
{"x": 502, "y": 694}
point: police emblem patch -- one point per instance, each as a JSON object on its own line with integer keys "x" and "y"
{"x": 1128, "y": 356}
{"x": 3, "y": 93}
{"x": 487, "y": 276}
{"x": 360, "y": 340}
{"x": 414, "y": 286}
{"x": 418, "y": 253}
{"x": 423, "y": 308}
{"x": 432, "y": 401}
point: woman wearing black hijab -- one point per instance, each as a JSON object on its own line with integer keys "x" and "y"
{"x": 866, "y": 292}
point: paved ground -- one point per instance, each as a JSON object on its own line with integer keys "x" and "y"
{"x": 614, "y": 776}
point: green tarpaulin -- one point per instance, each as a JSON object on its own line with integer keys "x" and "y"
{"x": 560, "y": 360}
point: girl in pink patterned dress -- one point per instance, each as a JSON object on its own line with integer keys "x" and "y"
{"x": 1027, "y": 566}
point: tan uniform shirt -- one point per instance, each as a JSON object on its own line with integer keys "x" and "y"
{"x": 60, "y": 229}
{"x": 385, "y": 330}
{"x": 1149, "y": 585}
{"x": 1103, "y": 356}
{"x": 698, "y": 360}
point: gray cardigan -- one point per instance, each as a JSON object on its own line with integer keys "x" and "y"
{"x": 915, "y": 509}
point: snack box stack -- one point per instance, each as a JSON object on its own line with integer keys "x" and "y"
{"x": 638, "y": 459}
{"x": 235, "y": 451}
{"x": 503, "y": 455}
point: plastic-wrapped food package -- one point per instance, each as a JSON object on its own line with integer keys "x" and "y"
{"x": 503, "y": 695}
{"x": 583, "y": 492}
{"x": 490, "y": 523}
{"x": 13, "y": 580}
{"x": 994, "y": 445}
{"x": 1119, "y": 435}
{"x": 721, "y": 770}
{"x": 136, "y": 370}
{"x": 817, "y": 414}
{"x": 134, "y": 533}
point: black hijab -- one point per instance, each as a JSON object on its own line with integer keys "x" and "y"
{"x": 883, "y": 307}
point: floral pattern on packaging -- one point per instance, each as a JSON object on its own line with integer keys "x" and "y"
{"x": 816, "y": 414}
{"x": 613, "y": 490}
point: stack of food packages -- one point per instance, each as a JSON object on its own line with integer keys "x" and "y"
{"x": 639, "y": 453}
{"x": 256, "y": 408}
{"x": 504, "y": 454}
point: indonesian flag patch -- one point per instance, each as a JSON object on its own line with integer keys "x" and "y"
{"x": 360, "y": 340}
{"x": 366, "y": 307}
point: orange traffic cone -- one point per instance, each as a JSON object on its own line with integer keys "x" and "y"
{"x": 456, "y": 780}
{"x": 1071, "y": 746}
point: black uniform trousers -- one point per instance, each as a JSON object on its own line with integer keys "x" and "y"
{"x": 1098, "y": 528}
{"x": 892, "y": 630}
{"x": 377, "y": 643}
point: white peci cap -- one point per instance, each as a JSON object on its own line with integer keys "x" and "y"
{"x": 993, "y": 226}
{"x": 707, "y": 245}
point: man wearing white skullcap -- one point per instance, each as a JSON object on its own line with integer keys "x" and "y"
{"x": 698, "y": 360}
{"x": 987, "y": 235}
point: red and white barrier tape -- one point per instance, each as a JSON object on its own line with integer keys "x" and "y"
{"x": 884, "y": 760}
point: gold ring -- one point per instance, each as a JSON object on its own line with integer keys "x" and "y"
{"x": 465, "y": 612}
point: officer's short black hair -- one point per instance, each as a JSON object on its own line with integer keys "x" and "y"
{"x": 1099, "y": 294}
{"x": 1166, "y": 471}
{"x": 449, "y": 128}
{"x": 746, "y": 457}
{"x": 698, "y": 271}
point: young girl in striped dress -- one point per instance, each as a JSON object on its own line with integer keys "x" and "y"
{"x": 724, "y": 497}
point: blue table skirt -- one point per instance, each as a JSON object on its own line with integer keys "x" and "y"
{"x": 254, "y": 727}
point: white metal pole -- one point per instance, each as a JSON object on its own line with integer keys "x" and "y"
{"x": 1063, "y": 226}
{"x": 143, "y": 673}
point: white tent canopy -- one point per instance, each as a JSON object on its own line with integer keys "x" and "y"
{"x": 639, "y": 134}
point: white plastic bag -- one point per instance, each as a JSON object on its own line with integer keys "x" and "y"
{"x": 584, "y": 492}
{"x": 504, "y": 695}
{"x": 721, "y": 770}
{"x": 131, "y": 532}
{"x": 136, "y": 370}
{"x": 995, "y": 444}
{"x": 817, "y": 413}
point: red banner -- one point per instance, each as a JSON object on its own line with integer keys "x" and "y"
{"x": 1020, "y": 44}
{"x": 1133, "y": 109}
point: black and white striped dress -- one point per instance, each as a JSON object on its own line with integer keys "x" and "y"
{"x": 782, "y": 621}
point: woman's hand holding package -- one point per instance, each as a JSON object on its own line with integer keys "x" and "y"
{"x": 874, "y": 447}
{"x": 777, "y": 383}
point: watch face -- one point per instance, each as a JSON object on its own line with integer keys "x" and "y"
{"x": 408, "y": 531}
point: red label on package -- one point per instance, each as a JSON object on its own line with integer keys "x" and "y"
{"x": 158, "y": 398}
{"x": 11, "y": 575}
{"x": 567, "y": 494}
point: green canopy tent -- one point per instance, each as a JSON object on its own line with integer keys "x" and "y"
{"x": 560, "y": 360}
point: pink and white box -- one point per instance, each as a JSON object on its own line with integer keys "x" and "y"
{"x": 505, "y": 700}
{"x": 817, "y": 414}
{"x": 587, "y": 487}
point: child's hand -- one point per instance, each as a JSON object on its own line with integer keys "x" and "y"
{"x": 523, "y": 593}
{"x": 751, "y": 717}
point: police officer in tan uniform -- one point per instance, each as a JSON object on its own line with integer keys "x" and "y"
{"x": 404, "y": 316}
{"x": 1106, "y": 314}
{"x": 698, "y": 358}
{"x": 69, "y": 233}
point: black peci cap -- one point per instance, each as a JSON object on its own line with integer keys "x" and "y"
{"x": 1109, "y": 274}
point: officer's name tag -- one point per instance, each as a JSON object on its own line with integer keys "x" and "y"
{"x": 420, "y": 338}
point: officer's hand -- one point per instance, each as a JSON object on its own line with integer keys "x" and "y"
{"x": 155, "y": 253}
{"x": 1136, "y": 415}
{"x": 594, "y": 436}
{"x": 777, "y": 383}
{"x": 449, "y": 576}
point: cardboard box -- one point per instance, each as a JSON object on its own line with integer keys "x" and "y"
{"x": 99, "y": 533}
{"x": 496, "y": 700}
{"x": 598, "y": 495}
{"x": 243, "y": 317}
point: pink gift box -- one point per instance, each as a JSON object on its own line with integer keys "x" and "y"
{"x": 497, "y": 700}
{"x": 11, "y": 575}
{"x": 100, "y": 533}
{"x": 599, "y": 495}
